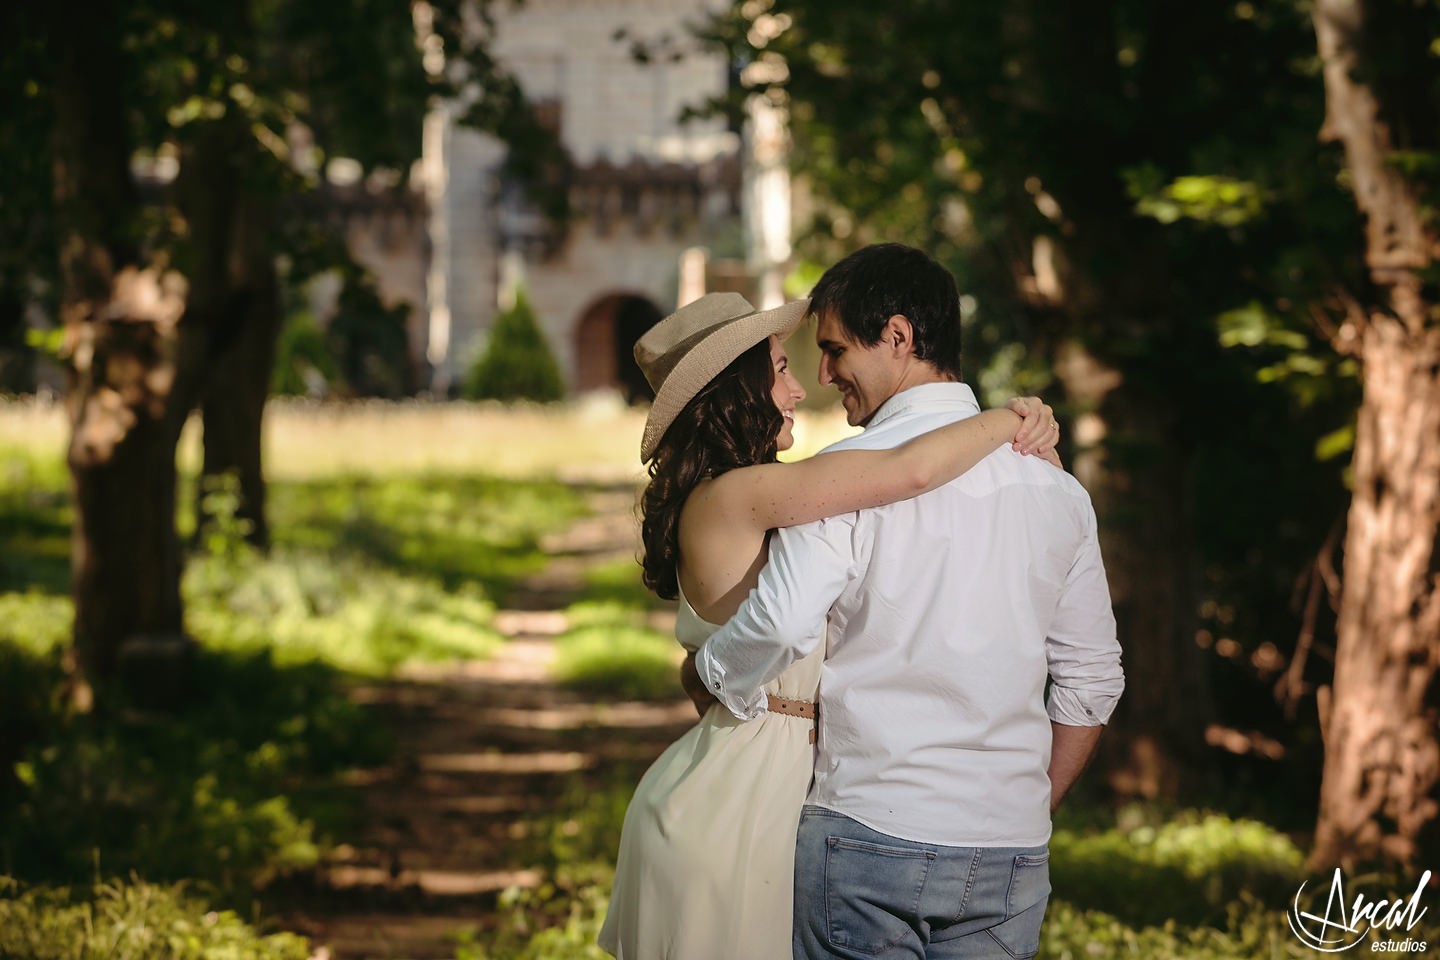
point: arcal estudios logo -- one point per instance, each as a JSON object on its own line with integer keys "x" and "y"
{"x": 1331, "y": 922}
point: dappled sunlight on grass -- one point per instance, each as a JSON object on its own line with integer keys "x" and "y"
{"x": 618, "y": 582}
{"x": 339, "y": 610}
{"x": 35, "y": 518}
{"x": 456, "y": 531}
{"x": 210, "y": 794}
{"x": 610, "y": 651}
{"x": 35, "y": 623}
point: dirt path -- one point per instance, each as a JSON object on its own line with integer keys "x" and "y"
{"x": 483, "y": 748}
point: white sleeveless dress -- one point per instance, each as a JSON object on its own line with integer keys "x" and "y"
{"x": 707, "y": 854}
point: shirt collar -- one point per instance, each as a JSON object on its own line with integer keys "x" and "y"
{"x": 948, "y": 395}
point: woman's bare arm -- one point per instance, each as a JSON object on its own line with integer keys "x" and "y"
{"x": 783, "y": 494}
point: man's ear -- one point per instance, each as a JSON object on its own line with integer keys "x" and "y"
{"x": 898, "y": 335}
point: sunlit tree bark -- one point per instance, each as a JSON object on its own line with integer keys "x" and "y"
{"x": 127, "y": 400}
{"x": 1382, "y": 756}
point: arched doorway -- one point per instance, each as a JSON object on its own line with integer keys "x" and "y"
{"x": 604, "y": 340}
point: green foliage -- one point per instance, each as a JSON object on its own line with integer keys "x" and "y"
{"x": 560, "y": 918}
{"x": 28, "y": 264}
{"x": 224, "y": 533}
{"x": 254, "y": 74}
{"x": 618, "y": 582}
{"x": 363, "y": 350}
{"x": 239, "y": 786}
{"x": 129, "y": 921}
{"x": 546, "y": 924}
{"x": 608, "y": 651}
{"x": 370, "y": 341}
{"x": 456, "y": 531}
{"x": 49, "y": 343}
{"x": 35, "y": 517}
{"x": 1190, "y": 886}
{"x": 1185, "y": 870}
{"x": 36, "y": 623}
{"x": 1220, "y": 200}
{"x": 303, "y": 362}
{"x": 226, "y": 794}
{"x": 303, "y": 605}
{"x": 517, "y": 363}
{"x": 342, "y": 610}
{"x": 1254, "y": 930}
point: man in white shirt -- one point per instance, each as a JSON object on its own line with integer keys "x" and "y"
{"x": 940, "y": 756}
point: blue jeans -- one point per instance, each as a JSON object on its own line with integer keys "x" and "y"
{"x": 861, "y": 894}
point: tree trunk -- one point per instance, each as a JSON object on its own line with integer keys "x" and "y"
{"x": 1111, "y": 288}
{"x": 1133, "y": 460}
{"x": 126, "y": 399}
{"x": 1378, "y": 796}
{"x": 235, "y": 288}
{"x": 232, "y": 411}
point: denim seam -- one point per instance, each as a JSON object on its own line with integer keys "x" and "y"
{"x": 1020, "y": 861}
{"x": 1010, "y": 914}
{"x": 969, "y": 885}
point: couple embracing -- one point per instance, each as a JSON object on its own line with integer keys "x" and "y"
{"x": 872, "y": 634}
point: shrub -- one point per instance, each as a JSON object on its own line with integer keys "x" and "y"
{"x": 361, "y": 351}
{"x": 1250, "y": 929}
{"x": 368, "y": 339}
{"x": 517, "y": 364}
{"x": 129, "y": 921}
{"x": 1188, "y": 869}
{"x": 304, "y": 365}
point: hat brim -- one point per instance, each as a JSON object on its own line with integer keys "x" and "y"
{"x": 704, "y": 361}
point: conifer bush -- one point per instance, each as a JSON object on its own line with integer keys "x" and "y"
{"x": 517, "y": 364}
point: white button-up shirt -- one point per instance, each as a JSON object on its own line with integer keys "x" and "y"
{"x": 946, "y": 615}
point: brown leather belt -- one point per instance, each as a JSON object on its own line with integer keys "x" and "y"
{"x": 805, "y": 709}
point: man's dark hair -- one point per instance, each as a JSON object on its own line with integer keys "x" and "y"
{"x": 874, "y": 283}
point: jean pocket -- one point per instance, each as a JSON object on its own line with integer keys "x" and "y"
{"x": 872, "y": 893}
{"x": 1019, "y": 933}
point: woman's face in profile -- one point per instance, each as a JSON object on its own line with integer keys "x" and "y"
{"x": 786, "y": 391}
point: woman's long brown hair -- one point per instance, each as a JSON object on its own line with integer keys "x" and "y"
{"x": 732, "y": 422}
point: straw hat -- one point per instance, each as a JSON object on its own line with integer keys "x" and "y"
{"x": 685, "y": 351}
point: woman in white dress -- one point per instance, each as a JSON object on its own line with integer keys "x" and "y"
{"x": 707, "y": 851}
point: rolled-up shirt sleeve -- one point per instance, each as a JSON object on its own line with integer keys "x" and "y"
{"x": 1081, "y": 646}
{"x": 783, "y": 618}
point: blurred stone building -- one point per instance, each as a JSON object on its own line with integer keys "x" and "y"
{"x": 660, "y": 211}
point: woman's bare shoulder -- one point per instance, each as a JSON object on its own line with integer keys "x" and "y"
{"x": 716, "y": 526}
{"x": 722, "y": 500}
